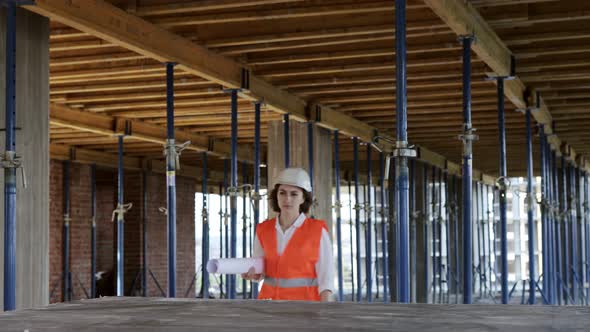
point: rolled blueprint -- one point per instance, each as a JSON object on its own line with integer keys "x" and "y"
{"x": 235, "y": 265}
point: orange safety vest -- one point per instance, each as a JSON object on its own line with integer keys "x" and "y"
{"x": 291, "y": 275}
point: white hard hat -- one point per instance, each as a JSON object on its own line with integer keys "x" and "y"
{"x": 295, "y": 177}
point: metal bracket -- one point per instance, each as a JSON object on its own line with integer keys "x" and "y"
{"x": 205, "y": 215}
{"x": 402, "y": 149}
{"x": 67, "y": 219}
{"x": 173, "y": 151}
{"x": 529, "y": 202}
{"x": 120, "y": 211}
{"x": 10, "y": 160}
{"x": 468, "y": 136}
{"x": 503, "y": 183}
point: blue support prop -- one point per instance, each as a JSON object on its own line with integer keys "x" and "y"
{"x": 502, "y": 190}
{"x": 10, "y": 173}
{"x": 385, "y": 260}
{"x": 368, "y": 233}
{"x": 546, "y": 224}
{"x": 574, "y": 233}
{"x": 448, "y": 238}
{"x": 171, "y": 179}
{"x": 566, "y": 244}
{"x": 120, "y": 224}
{"x": 233, "y": 185}
{"x": 425, "y": 229}
{"x": 401, "y": 180}
{"x": 352, "y": 275}
{"x": 586, "y": 210}
{"x": 144, "y": 288}
{"x": 225, "y": 221}
{"x": 244, "y": 225}
{"x": 456, "y": 242}
{"x": 338, "y": 206}
{"x": 93, "y": 231}
{"x": 434, "y": 233}
{"x": 66, "y": 229}
{"x": 222, "y": 288}
{"x": 467, "y": 173}
{"x": 529, "y": 205}
{"x": 205, "y": 229}
{"x": 286, "y": 140}
{"x": 256, "y": 179}
{"x": 357, "y": 213}
{"x": 310, "y": 162}
{"x": 413, "y": 231}
{"x": 558, "y": 260}
{"x": 544, "y": 194}
{"x": 552, "y": 288}
{"x": 439, "y": 221}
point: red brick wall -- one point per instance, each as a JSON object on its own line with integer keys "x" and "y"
{"x": 80, "y": 214}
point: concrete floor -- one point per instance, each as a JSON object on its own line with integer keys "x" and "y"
{"x": 158, "y": 314}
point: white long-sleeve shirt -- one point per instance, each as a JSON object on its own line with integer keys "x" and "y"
{"x": 324, "y": 267}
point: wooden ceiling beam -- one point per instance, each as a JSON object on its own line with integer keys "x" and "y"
{"x": 464, "y": 19}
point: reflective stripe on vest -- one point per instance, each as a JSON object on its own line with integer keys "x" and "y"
{"x": 291, "y": 282}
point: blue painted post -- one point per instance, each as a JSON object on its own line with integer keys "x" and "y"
{"x": 403, "y": 217}
{"x": 558, "y": 260}
{"x": 93, "y": 231}
{"x": 448, "y": 237}
{"x": 66, "y": 266}
{"x": 383, "y": 229}
{"x": 566, "y": 244}
{"x": 310, "y": 162}
{"x": 225, "y": 217}
{"x": 222, "y": 288}
{"x": 467, "y": 172}
{"x": 502, "y": 190}
{"x": 144, "y": 288}
{"x": 357, "y": 218}
{"x": 574, "y": 232}
{"x": 456, "y": 241}
{"x": 368, "y": 233}
{"x": 482, "y": 227}
{"x": 171, "y": 179}
{"x": 552, "y": 287}
{"x": 529, "y": 205}
{"x": 425, "y": 222}
{"x": 587, "y": 231}
{"x": 120, "y": 224}
{"x": 10, "y": 173}
{"x": 478, "y": 232}
{"x": 414, "y": 221}
{"x": 338, "y": 206}
{"x": 351, "y": 240}
{"x": 205, "y": 229}
{"x": 234, "y": 185}
{"x": 544, "y": 191}
{"x": 440, "y": 221}
{"x": 244, "y": 225}
{"x": 434, "y": 234}
{"x": 256, "y": 211}
{"x": 286, "y": 136}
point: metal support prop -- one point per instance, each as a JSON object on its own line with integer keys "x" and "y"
{"x": 552, "y": 283}
{"x": 456, "y": 241}
{"x": 66, "y": 233}
{"x": 439, "y": 221}
{"x": 357, "y": 213}
{"x": 574, "y": 233}
{"x": 205, "y": 229}
{"x": 586, "y": 212}
{"x": 144, "y": 276}
{"x": 256, "y": 182}
{"x": 483, "y": 240}
{"x": 566, "y": 244}
{"x": 225, "y": 219}
{"x": 376, "y": 230}
{"x": 120, "y": 224}
{"x": 544, "y": 192}
{"x": 222, "y": 289}
{"x": 403, "y": 152}
{"x": 413, "y": 222}
{"x": 368, "y": 232}
{"x": 310, "y": 161}
{"x": 434, "y": 233}
{"x": 502, "y": 190}
{"x": 286, "y": 139}
{"x": 10, "y": 161}
{"x": 546, "y": 226}
{"x": 351, "y": 240}
{"x": 467, "y": 172}
{"x": 479, "y": 217}
{"x": 93, "y": 231}
{"x": 384, "y": 260}
{"x": 338, "y": 206}
{"x": 244, "y": 224}
{"x": 234, "y": 185}
{"x": 448, "y": 237}
{"x": 171, "y": 179}
{"x": 529, "y": 207}
{"x": 425, "y": 221}
{"x": 558, "y": 204}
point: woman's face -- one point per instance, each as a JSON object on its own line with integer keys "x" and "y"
{"x": 290, "y": 198}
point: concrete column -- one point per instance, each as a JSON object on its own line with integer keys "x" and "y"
{"x": 323, "y": 169}
{"x": 32, "y": 143}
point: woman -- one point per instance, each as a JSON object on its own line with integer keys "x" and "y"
{"x": 297, "y": 251}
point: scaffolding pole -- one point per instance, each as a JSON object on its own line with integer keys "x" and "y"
{"x": 256, "y": 180}
{"x": 529, "y": 207}
{"x": 368, "y": 232}
{"x": 67, "y": 280}
{"x": 93, "y": 231}
{"x": 205, "y": 229}
{"x": 357, "y": 213}
{"x": 171, "y": 159}
{"x": 338, "y": 206}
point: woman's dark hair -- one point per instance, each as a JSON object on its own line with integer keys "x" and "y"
{"x": 304, "y": 207}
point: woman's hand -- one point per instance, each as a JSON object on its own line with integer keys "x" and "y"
{"x": 326, "y": 296}
{"x": 252, "y": 275}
